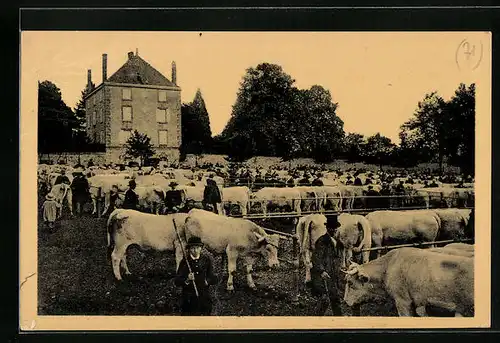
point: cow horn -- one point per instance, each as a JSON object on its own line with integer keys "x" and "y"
{"x": 259, "y": 237}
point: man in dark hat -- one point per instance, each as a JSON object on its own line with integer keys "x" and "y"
{"x": 201, "y": 274}
{"x": 131, "y": 197}
{"x": 324, "y": 272}
{"x": 62, "y": 178}
{"x": 80, "y": 190}
{"x": 211, "y": 195}
{"x": 173, "y": 198}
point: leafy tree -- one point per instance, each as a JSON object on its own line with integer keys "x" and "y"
{"x": 259, "y": 115}
{"x": 56, "y": 121}
{"x": 354, "y": 146}
{"x": 425, "y": 134}
{"x": 271, "y": 117}
{"x": 379, "y": 149}
{"x": 459, "y": 126}
{"x": 139, "y": 145}
{"x": 196, "y": 133}
{"x": 80, "y": 138}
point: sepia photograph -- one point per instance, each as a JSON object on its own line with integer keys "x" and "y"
{"x": 226, "y": 180}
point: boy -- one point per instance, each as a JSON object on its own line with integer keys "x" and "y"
{"x": 202, "y": 274}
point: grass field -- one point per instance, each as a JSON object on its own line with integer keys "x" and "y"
{"x": 75, "y": 278}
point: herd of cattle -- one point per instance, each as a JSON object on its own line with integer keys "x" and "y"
{"x": 416, "y": 279}
{"x": 246, "y": 193}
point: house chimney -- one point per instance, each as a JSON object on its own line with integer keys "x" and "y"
{"x": 174, "y": 73}
{"x": 104, "y": 67}
{"x": 130, "y": 55}
{"x": 89, "y": 79}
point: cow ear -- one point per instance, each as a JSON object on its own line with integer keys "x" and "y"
{"x": 259, "y": 237}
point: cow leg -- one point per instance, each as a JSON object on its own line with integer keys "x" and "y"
{"x": 307, "y": 264}
{"x": 366, "y": 256}
{"x": 232, "y": 256}
{"x": 404, "y": 307}
{"x": 249, "y": 269}
{"x": 94, "y": 205}
{"x": 179, "y": 255}
{"x": 124, "y": 265}
{"x": 244, "y": 209}
{"x": 116, "y": 257}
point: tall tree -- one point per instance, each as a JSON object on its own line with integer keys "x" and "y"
{"x": 379, "y": 150}
{"x": 256, "y": 123}
{"x": 425, "y": 133}
{"x": 459, "y": 126}
{"x": 139, "y": 145}
{"x": 56, "y": 120}
{"x": 196, "y": 132}
{"x": 354, "y": 146}
{"x": 80, "y": 135}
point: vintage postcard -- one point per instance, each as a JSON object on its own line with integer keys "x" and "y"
{"x": 246, "y": 180}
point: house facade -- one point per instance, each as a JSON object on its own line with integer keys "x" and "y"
{"x": 135, "y": 97}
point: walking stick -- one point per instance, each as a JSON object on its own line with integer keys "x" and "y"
{"x": 185, "y": 258}
{"x": 328, "y": 295}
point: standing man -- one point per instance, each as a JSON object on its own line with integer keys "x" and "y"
{"x": 324, "y": 271}
{"x": 62, "y": 178}
{"x": 201, "y": 274}
{"x": 80, "y": 190}
{"x": 211, "y": 195}
{"x": 131, "y": 198}
{"x": 173, "y": 198}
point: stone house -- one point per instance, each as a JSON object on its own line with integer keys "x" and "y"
{"x": 135, "y": 97}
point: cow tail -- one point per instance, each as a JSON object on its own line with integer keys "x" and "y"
{"x": 367, "y": 234}
{"x": 110, "y": 230}
{"x": 301, "y": 233}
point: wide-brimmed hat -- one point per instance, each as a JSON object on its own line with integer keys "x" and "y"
{"x": 332, "y": 221}
{"x": 50, "y": 196}
{"x": 78, "y": 170}
{"x": 173, "y": 184}
{"x": 194, "y": 241}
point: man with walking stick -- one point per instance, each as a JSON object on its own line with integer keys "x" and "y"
{"x": 195, "y": 275}
{"x": 324, "y": 271}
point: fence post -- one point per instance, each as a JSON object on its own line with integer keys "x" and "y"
{"x": 98, "y": 202}
{"x": 296, "y": 262}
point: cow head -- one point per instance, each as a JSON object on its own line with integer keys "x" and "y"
{"x": 268, "y": 247}
{"x": 360, "y": 287}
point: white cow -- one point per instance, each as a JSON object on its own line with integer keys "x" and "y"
{"x": 236, "y": 237}
{"x": 237, "y": 195}
{"x": 309, "y": 228}
{"x": 354, "y": 234}
{"x": 280, "y": 197}
{"x": 148, "y": 231}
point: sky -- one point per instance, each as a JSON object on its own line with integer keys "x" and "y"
{"x": 376, "y": 78}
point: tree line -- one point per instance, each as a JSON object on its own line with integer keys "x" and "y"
{"x": 272, "y": 117}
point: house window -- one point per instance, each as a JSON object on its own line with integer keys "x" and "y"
{"x": 127, "y": 113}
{"x": 161, "y": 115}
{"x": 102, "y": 137}
{"x": 162, "y": 96}
{"x": 162, "y": 137}
{"x": 94, "y": 118}
{"x": 126, "y": 94}
{"x": 123, "y": 136}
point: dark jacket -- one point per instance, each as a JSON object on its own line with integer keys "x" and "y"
{"x": 131, "y": 200}
{"x": 324, "y": 260}
{"x": 204, "y": 275}
{"x": 211, "y": 194}
{"x": 173, "y": 198}
{"x": 62, "y": 179}
{"x": 80, "y": 188}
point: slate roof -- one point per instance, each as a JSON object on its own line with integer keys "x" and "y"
{"x": 138, "y": 71}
